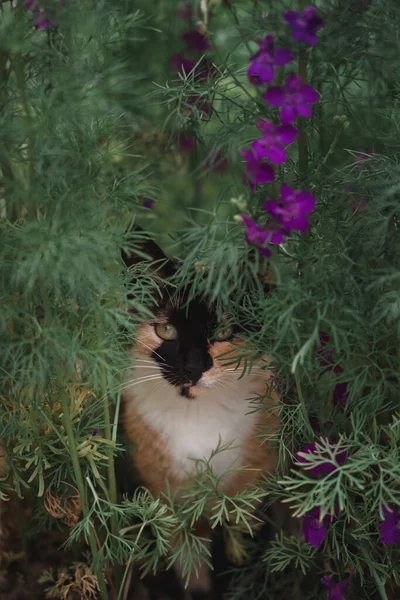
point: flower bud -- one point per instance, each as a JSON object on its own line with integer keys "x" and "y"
{"x": 240, "y": 203}
{"x": 238, "y": 219}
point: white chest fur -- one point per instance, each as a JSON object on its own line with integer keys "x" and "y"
{"x": 193, "y": 429}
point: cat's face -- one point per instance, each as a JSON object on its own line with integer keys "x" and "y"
{"x": 185, "y": 343}
{"x": 189, "y": 346}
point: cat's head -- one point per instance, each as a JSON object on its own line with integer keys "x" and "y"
{"x": 186, "y": 342}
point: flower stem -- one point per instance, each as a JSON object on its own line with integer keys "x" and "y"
{"x": 330, "y": 151}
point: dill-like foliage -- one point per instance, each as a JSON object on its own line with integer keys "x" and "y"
{"x": 90, "y": 109}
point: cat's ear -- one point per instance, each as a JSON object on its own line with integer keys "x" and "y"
{"x": 139, "y": 248}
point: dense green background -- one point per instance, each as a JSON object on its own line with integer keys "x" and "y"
{"x": 89, "y": 112}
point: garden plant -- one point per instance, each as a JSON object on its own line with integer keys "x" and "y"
{"x": 256, "y": 141}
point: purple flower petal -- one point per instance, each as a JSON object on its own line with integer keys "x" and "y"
{"x": 299, "y": 222}
{"x": 266, "y": 46}
{"x": 304, "y": 110}
{"x": 259, "y": 73}
{"x": 314, "y": 529}
{"x": 272, "y": 207}
{"x": 288, "y": 114}
{"x": 185, "y": 11}
{"x": 266, "y": 126}
{"x": 335, "y": 591}
{"x": 290, "y": 16}
{"x": 325, "y": 467}
{"x": 283, "y": 56}
{"x": 276, "y": 154}
{"x": 149, "y": 202}
{"x": 42, "y": 23}
{"x": 390, "y": 526}
{"x": 305, "y": 200}
{"x": 309, "y": 94}
{"x": 261, "y": 173}
{"x": 259, "y": 148}
{"x": 304, "y": 25}
{"x": 286, "y": 191}
{"x": 256, "y": 171}
{"x": 196, "y": 40}
{"x": 356, "y": 206}
{"x": 276, "y": 237}
{"x": 182, "y": 63}
{"x": 286, "y": 134}
{"x": 259, "y": 236}
{"x": 185, "y": 141}
{"x": 293, "y": 82}
{"x": 314, "y": 535}
{"x": 275, "y": 96}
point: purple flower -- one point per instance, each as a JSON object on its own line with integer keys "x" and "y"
{"x": 304, "y": 25}
{"x": 206, "y": 69}
{"x": 314, "y": 448}
{"x": 327, "y": 360}
{"x": 185, "y": 11}
{"x": 259, "y": 236}
{"x": 292, "y": 208}
{"x": 200, "y": 102}
{"x": 149, "y": 202}
{"x": 196, "y": 40}
{"x": 359, "y": 158}
{"x": 185, "y": 141}
{"x": 40, "y": 19}
{"x": 95, "y": 431}
{"x": 274, "y": 137}
{"x": 256, "y": 170}
{"x": 314, "y": 529}
{"x": 261, "y": 69}
{"x": 356, "y": 206}
{"x": 182, "y": 63}
{"x": 335, "y": 591}
{"x": 390, "y": 526}
{"x": 341, "y": 394}
{"x": 294, "y": 98}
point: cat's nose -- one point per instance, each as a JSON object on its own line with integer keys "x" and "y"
{"x": 193, "y": 372}
{"x": 196, "y": 364}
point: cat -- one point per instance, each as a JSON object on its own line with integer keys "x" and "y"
{"x": 182, "y": 400}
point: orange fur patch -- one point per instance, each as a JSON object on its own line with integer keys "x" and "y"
{"x": 152, "y": 458}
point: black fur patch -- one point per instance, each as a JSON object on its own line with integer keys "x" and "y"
{"x": 184, "y": 360}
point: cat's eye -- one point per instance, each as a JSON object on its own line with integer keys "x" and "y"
{"x": 165, "y": 331}
{"x": 224, "y": 333}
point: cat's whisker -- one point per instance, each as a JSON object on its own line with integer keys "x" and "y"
{"x": 140, "y": 381}
{"x": 142, "y": 378}
{"x": 144, "y": 360}
{"x": 140, "y": 367}
{"x": 151, "y": 349}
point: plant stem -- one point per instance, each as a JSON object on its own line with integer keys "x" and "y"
{"x": 79, "y": 481}
{"x": 380, "y": 586}
{"x": 330, "y": 151}
{"x": 301, "y": 399}
{"x": 20, "y": 76}
{"x": 112, "y": 484}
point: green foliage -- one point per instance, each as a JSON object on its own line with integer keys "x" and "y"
{"x": 89, "y": 112}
